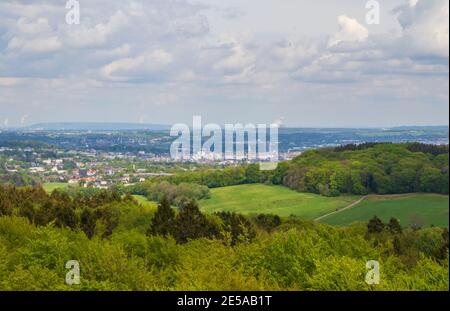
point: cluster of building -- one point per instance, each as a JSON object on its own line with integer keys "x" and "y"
{"x": 81, "y": 168}
{"x": 102, "y": 169}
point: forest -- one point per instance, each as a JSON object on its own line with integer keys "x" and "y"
{"x": 121, "y": 245}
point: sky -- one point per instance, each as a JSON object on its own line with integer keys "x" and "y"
{"x": 296, "y": 62}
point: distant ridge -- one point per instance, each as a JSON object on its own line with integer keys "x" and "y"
{"x": 94, "y": 126}
{"x": 122, "y": 126}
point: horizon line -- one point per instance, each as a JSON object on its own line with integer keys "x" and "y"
{"x": 24, "y": 127}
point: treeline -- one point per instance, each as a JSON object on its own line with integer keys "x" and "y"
{"x": 428, "y": 148}
{"x": 189, "y": 224}
{"x": 176, "y": 194}
{"x": 413, "y": 147}
{"x": 90, "y": 211}
{"x": 405, "y": 240}
{"x": 379, "y": 168}
{"x": 354, "y": 147}
{"x": 228, "y": 176}
{"x": 19, "y": 179}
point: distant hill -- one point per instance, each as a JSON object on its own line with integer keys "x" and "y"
{"x": 92, "y": 126}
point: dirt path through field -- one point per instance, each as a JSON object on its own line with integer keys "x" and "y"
{"x": 343, "y": 209}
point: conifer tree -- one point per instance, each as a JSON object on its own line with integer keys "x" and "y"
{"x": 375, "y": 225}
{"x": 394, "y": 226}
{"x": 164, "y": 220}
{"x": 88, "y": 222}
{"x": 192, "y": 224}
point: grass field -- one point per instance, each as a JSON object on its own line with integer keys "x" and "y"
{"x": 143, "y": 201}
{"x": 428, "y": 209}
{"x": 257, "y": 198}
{"x": 49, "y": 187}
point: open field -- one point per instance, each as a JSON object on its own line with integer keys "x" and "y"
{"x": 49, "y": 187}
{"x": 146, "y": 203}
{"x": 257, "y": 198}
{"x": 426, "y": 209}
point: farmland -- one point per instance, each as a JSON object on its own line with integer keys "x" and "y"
{"x": 257, "y": 198}
{"x": 421, "y": 209}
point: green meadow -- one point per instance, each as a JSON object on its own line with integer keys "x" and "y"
{"x": 145, "y": 202}
{"x": 279, "y": 200}
{"x": 49, "y": 187}
{"x": 423, "y": 209}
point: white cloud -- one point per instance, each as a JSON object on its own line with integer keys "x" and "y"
{"x": 120, "y": 51}
{"x": 38, "y": 45}
{"x": 290, "y": 55}
{"x": 98, "y": 35}
{"x": 25, "y": 26}
{"x": 239, "y": 60}
{"x": 352, "y": 54}
{"x": 138, "y": 67}
{"x": 350, "y": 30}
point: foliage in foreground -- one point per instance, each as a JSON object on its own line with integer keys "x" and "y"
{"x": 294, "y": 256}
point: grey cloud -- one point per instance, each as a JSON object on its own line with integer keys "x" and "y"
{"x": 132, "y": 52}
{"x": 232, "y": 13}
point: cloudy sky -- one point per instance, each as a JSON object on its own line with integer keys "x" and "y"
{"x": 308, "y": 63}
